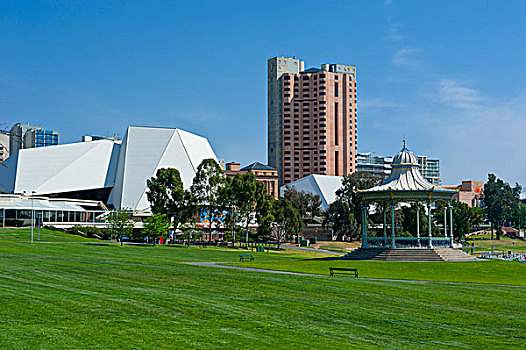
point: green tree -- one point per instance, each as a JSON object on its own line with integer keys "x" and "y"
{"x": 501, "y": 202}
{"x": 207, "y": 188}
{"x": 479, "y": 215}
{"x": 156, "y": 225}
{"x": 242, "y": 198}
{"x": 167, "y": 196}
{"x": 344, "y": 214}
{"x": 519, "y": 216}
{"x": 264, "y": 211}
{"x": 187, "y": 214}
{"x": 463, "y": 219}
{"x": 409, "y": 215}
{"x": 287, "y": 220}
{"x": 340, "y": 218}
{"x": 120, "y": 221}
{"x": 307, "y": 204}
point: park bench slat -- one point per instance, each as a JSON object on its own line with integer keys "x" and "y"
{"x": 342, "y": 271}
{"x": 243, "y": 257}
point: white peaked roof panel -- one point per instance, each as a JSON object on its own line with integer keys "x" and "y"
{"x": 323, "y": 185}
{"x": 104, "y": 164}
{"x": 197, "y": 149}
{"x": 144, "y": 151}
{"x": 8, "y": 174}
{"x": 63, "y": 168}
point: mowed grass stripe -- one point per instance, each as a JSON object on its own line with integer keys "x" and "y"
{"x": 108, "y": 297}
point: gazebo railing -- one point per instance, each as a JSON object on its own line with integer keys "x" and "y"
{"x": 407, "y": 242}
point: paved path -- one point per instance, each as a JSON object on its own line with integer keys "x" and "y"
{"x": 313, "y": 250}
{"x": 217, "y": 264}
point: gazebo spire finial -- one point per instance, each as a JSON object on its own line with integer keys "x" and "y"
{"x": 404, "y": 140}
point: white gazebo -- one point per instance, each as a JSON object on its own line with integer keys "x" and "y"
{"x": 406, "y": 184}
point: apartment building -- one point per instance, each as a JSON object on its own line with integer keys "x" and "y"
{"x": 312, "y": 119}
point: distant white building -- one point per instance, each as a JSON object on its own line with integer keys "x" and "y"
{"x": 381, "y": 166}
{"x": 4, "y": 146}
{"x": 109, "y": 171}
{"x": 324, "y": 186}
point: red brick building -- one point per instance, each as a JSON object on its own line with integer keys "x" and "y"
{"x": 469, "y": 192}
{"x": 264, "y": 173}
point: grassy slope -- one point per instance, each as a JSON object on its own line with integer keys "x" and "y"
{"x": 86, "y": 296}
{"x": 24, "y": 235}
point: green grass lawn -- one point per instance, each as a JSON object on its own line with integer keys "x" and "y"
{"x": 24, "y": 234}
{"x": 491, "y": 271}
{"x": 111, "y": 297}
{"x": 502, "y": 245}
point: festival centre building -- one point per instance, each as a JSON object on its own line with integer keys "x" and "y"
{"x": 106, "y": 172}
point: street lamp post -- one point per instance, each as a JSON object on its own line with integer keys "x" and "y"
{"x": 32, "y": 216}
{"x": 38, "y": 225}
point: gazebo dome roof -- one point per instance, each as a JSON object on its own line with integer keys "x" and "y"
{"x": 407, "y": 181}
{"x": 405, "y": 157}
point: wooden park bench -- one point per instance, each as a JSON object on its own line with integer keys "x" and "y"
{"x": 342, "y": 271}
{"x": 243, "y": 257}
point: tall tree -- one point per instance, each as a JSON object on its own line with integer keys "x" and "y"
{"x": 344, "y": 214}
{"x": 156, "y": 225}
{"x": 287, "y": 220}
{"x": 307, "y": 204}
{"x": 464, "y": 218}
{"x": 207, "y": 188}
{"x": 264, "y": 211}
{"x": 519, "y": 217}
{"x": 187, "y": 213}
{"x": 501, "y": 201}
{"x": 120, "y": 221}
{"x": 341, "y": 219}
{"x": 228, "y": 202}
{"x": 166, "y": 195}
{"x": 409, "y": 215}
{"x": 242, "y": 196}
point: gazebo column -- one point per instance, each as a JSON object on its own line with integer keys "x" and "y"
{"x": 364, "y": 225}
{"x": 418, "y": 224}
{"x": 429, "y": 237}
{"x": 385, "y": 225}
{"x": 445, "y": 221}
{"x": 451, "y": 222}
{"x": 393, "y": 242}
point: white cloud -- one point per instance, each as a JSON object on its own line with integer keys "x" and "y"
{"x": 370, "y": 104}
{"x": 476, "y": 134}
{"x": 458, "y": 94}
{"x": 472, "y": 132}
{"x": 406, "y": 56}
{"x": 393, "y": 34}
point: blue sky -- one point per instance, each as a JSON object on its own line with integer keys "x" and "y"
{"x": 450, "y": 75}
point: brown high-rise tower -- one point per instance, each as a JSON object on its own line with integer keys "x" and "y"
{"x": 311, "y": 119}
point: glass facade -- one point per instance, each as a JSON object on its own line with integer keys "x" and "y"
{"x": 45, "y": 138}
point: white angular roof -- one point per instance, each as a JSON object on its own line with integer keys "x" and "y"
{"x": 146, "y": 149}
{"x": 324, "y": 186}
{"x": 121, "y": 168}
{"x": 64, "y": 168}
